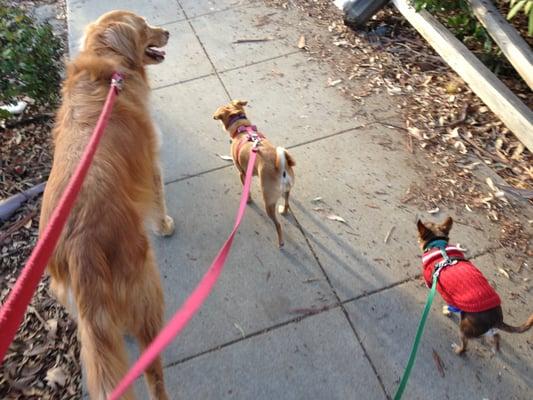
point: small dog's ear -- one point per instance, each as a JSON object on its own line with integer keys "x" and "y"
{"x": 219, "y": 113}
{"x": 239, "y": 103}
{"x": 447, "y": 225}
{"x": 422, "y": 230}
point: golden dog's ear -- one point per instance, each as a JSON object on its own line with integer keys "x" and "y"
{"x": 447, "y": 225}
{"x": 124, "y": 39}
{"x": 239, "y": 103}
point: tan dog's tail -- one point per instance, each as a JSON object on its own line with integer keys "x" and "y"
{"x": 517, "y": 329}
{"x": 284, "y": 161}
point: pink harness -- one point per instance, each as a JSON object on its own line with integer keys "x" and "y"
{"x": 251, "y": 136}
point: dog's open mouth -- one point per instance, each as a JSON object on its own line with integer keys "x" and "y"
{"x": 155, "y": 54}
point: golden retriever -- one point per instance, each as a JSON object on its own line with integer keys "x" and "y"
{"x": 103, "y": 269}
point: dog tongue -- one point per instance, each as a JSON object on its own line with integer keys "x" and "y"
{"x": 156, "y": 52}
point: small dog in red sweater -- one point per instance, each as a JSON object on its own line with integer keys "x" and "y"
{"x": 463, "y": 287}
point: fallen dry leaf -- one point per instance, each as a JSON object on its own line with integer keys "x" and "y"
{"x": 56, "y": 377}
{"x": 332, "y": 82}
{"x": 224, "y": 157}
{"x": 389, "y": 233}
{"x": 504, "y": 273}
{"x": 438, "y": 363}
{"x": 236, "y": 325}
{"x": 334, "y": 217}
{"x": 301, "y": 42}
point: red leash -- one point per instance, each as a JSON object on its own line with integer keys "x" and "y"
{"x": 193, "y": 303}
{"x": 12, "y": 311}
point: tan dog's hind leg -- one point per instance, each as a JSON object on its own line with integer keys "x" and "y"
{"x": 243, "y": 177}
{"x": 150, "y": 311}
{"x": 286, "y": 206}
{"x": 103, "y": 354}
{"x": 164, "y": 224}
{"x": 271, "y": 211}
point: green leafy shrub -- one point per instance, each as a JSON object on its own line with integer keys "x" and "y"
{"x": 526, "y": 6}
{"x": 460, "y": 19}
{"x": 29, "y": 59}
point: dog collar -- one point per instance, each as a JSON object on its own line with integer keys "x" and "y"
{"x": 235, "y": 118}
{"x": 438, "y": 243}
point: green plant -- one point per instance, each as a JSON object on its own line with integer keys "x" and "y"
{"x": 460, "y": 20}
{"x": 29, "y": 59}
{"x": 526, "y": 6}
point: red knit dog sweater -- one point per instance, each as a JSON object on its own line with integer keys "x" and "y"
{"x": 461, "y": 285}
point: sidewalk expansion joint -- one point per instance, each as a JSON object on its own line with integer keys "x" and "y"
{"x": 291, "y": 321}
{"x": 186, "y": 177}
{"x": 253, "y": 334}
{"x": 205, "y": 50}
{"x": 167, "y": 85}
{"x": 290, "y": 53}
{"x": 383, "y": 289}
{"x": 343, "y": 308}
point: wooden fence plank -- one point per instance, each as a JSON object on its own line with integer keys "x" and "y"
{"x": 506, "y": 37}
{"x": 504, "y": 103}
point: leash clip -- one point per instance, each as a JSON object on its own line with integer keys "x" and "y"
{"x": 255, "y": 138}
{"x": 117, "y": 81}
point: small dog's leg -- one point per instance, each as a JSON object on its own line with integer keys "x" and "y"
{"x": 285, "y": 209}
{"x": 243, "y": 177}
{"x": 164, "y": 224}
{"x": 496, "y": 343}
{"x": 462, "y": 348}
{"x": 271, "y": 211}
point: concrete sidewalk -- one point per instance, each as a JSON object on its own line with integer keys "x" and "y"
{"x": 257, "y": 337}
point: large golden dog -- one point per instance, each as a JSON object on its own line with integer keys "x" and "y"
{"x": 103, "y": 269}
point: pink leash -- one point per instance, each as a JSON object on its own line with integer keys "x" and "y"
{"x": 12, "y": 311}
{"x": 191, "y": 306}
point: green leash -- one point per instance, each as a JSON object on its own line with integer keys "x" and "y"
{"x": 416, "y": 343}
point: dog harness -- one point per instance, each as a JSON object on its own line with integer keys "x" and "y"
{"x": 460, "y": 283}
{"x": 252, "y": 135}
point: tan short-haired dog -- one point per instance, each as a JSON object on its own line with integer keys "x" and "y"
{"x": 274, "y": 165}
{"x": 103, "y": 268}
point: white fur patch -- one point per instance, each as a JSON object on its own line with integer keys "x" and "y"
{"x": 491, "y": 332}
{"x": 285, "y": 179}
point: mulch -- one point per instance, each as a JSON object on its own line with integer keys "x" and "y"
{"x": 43, "y": 361}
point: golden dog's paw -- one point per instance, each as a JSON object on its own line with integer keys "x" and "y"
{"x": 166, "y": 227}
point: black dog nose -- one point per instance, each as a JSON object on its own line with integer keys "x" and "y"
{"x": 167, "y": 33}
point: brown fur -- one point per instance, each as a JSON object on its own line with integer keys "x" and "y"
{"x": 473, "y": 324}
{"x": 267, "y": 165}
{"x": 103, "y": 258}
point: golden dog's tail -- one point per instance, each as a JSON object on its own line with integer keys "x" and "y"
{"x": 517, "y": 329}
{"x": 284, "y": 162}
{"x": 103, "y": 352}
